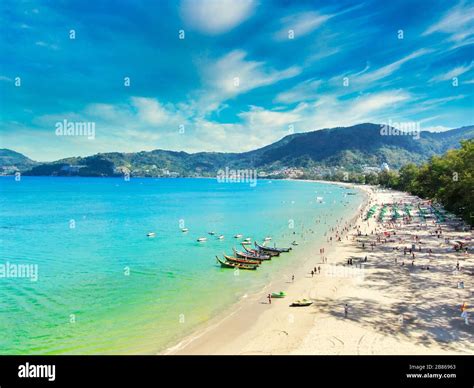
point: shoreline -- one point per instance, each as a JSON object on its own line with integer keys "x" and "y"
{"x": 280, "y": 280}
{"x": 389, "y": 311}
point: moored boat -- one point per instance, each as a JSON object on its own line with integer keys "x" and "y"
{"x": 241, "y": 260}
{"x": 251, "y": 256}
{"x": 269, "y": 249}
{"x": 201, "y": 239}
{"x": 238, "y": 236}
{"x": 227, "y": 264}
{"x": 151, "y": 234}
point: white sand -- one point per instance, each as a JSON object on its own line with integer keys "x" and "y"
{"x": 393, "y": 309}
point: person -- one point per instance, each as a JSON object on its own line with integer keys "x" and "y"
{"x": 312, "y": 274}
{"x": 293, "y": 278}
{"x": 269, "y": 299}
{"x": 319, "y": 269}
{"x": 346, "y": 310}
{"x": 457, "y": 265}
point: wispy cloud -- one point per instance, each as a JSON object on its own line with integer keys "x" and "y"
{"x": 304, "y": 91}
{"x": 50, "y": 46}
{"x": 301, "y": 24}
{"x": 456, "y": 72}
{"x": 458, "y": 22}
{"x": 214, "y": 17}
{"x": 387, "y": 70}
{"x": 234, "y": 74}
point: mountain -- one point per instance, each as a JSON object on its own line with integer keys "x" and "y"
{"x": 11, "y": 162}
{"x": 352, "y": 148}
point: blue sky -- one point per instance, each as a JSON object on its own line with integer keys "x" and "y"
{"x": 246, "y": 73}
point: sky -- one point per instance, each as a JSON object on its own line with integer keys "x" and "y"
{"x": 226, "y": 75}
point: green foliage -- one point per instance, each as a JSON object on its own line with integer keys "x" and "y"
{"x": 447, "y": 179}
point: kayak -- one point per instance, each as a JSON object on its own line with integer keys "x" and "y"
{"x": 280, "y": 294}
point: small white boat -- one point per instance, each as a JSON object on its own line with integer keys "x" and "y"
{"x": 294, "y": 243}
{"x": 184, "y": 230}
{"x": 248, "y": 239}
{"x": 221, "y": 237}
{"x": 202, "y": 239}
{"x": 319, "y": 199}
{"x": 238, "y": 236}
{"x": 246, "y": 243}
{"x": 151, "y": 234}
{"x": 267, "y": 239}
{"x": 211, "y": 233}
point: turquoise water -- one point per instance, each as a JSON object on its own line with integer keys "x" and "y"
{"x": 103, "y": 287}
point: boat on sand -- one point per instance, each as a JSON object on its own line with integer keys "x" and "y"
{"x": 301, "y": 303}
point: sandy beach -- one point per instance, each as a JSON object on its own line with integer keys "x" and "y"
{"x": 370, "y": 294}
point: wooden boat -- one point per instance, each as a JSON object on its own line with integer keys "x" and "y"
{"x": 280, "y": 294}
{"x": 227, "y": 264}
{"x": 251, "y": 256}
{"x": 261, "y": 252}
{"x": 301, "y": 303}
{"x": 241, "y": 260}
{"x": 269, "y": 249}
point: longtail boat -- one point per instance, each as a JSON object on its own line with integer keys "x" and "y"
{"x": 262, "y": 252}
{"x": 251, "y": 256}
{"x": 241, "y": 260}
{"x": 269, "y": 249}
{"x": 251, "y": 250}
{"x": 235, "y": 265}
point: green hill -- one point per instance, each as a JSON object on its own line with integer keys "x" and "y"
{"x": 351, "y": 148}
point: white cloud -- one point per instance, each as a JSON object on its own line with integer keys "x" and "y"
{"x": 301, "y": 24}
{"x": 47, "y": 45}
{"x": 260, "y": 117}
{"x": 458, "y": 22}
{"x": 385, "y": 71}
{"x": 214, "y": 17}
{"x": 456, "y": 72}
{"x": 304, "y": 91}
{"x": 233, "y": 74}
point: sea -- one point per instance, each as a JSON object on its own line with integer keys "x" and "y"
{"x": 79, "y": 275}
